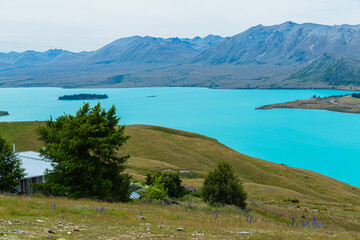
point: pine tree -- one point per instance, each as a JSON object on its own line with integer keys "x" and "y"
{"x": 10, "y": 168}
{"x": 83, "y": 150}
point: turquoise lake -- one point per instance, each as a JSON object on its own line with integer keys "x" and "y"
{"x": 322, "y": 141}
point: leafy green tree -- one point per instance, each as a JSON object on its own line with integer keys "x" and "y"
{"x": 169, "y": 181}
{"x": 222, "y": 186}
{"x": 83, "y": 150}
{"x": 10, "y": 168}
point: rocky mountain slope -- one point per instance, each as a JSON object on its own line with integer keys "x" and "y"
{"x": 330, "y": 70}
{"x": 287, "y": 43}
{"x": 288, "y": 55}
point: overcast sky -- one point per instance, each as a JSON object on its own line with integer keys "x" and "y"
{"x": 85, "y": 25}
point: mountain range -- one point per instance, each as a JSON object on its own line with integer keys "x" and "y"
{"x": 288, "y": 55}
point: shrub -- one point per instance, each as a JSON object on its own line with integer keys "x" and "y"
{"x": 170, "y": 181}
{"x": 143, "y": 191}
{"x": 222, "y": 186}
{"x": 155, "y": 193}
{"x": 292, "y": 200}
{"x": 135, "y": 187}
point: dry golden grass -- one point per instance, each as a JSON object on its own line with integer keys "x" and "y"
{"x": 33, "y": 217}
{"x": 271, "y": 187}
{"x": 346, "y": 104}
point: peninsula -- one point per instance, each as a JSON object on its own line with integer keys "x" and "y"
{"x": 3, "y": 113}
{"x": 340, "y": 103}
{"x": 83, "y": 96}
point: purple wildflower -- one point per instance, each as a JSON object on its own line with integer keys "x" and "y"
{"x": 102, "y": 209}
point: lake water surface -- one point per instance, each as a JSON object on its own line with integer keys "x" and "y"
{"x": 322, "y": 141}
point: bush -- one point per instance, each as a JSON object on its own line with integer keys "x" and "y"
{"x": 222, "y": 186}
{"x": 196, "y": 194}
{"x": 155, "y": 193}
{"x": 135, "y": 187}
{"x": 170, "y": 181}
{"x": 142, "y": 191}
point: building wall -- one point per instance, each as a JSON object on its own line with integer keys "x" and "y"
{"x": 25, "y": 184}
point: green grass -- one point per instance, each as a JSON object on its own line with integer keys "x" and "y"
{"x": 350, "y": 100}
{"x": 269, "y": 185}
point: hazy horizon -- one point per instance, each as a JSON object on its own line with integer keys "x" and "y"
{"x": 88, "y": 25}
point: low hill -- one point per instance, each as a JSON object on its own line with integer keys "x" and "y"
{"x": 329, "y": 70}
{"x": 271, "y": 186}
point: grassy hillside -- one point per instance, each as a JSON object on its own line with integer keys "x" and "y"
{"x": 273, "y": 189}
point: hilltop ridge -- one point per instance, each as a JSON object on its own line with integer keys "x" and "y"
{"x": 260, "y": 57}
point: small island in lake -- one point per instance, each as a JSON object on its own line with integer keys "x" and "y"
{"x": 349, "y": 103}
{"x": 3, "y": 113}
{"x": 83, "y": 96}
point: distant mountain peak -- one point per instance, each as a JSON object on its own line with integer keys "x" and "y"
{"x": 287, "y": 23}
{"x": 286, "y": 43}
{"x": 260, "y": 56}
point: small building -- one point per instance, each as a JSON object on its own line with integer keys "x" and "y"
{"x": 35, "y": 167}
{"x": 135, "y": 195}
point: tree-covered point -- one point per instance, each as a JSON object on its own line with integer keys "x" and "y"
{"x": 4, "y": 113}
{"x": 10, "y": 168}
{"x": 354, "y": 95}
{"x": 83, "y": 150}
{"x": 83, "y": 96}
{"x": 222, "y": 186}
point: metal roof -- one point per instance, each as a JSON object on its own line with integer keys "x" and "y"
{"x": 135, "y": 195}
{"x": 33, "y": 163}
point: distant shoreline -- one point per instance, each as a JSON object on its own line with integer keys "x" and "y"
{"x": 343, "y": 104}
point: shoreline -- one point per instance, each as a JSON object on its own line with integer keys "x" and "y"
{"x": 343, "y": 104}
{"x": 223, "y": 88}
